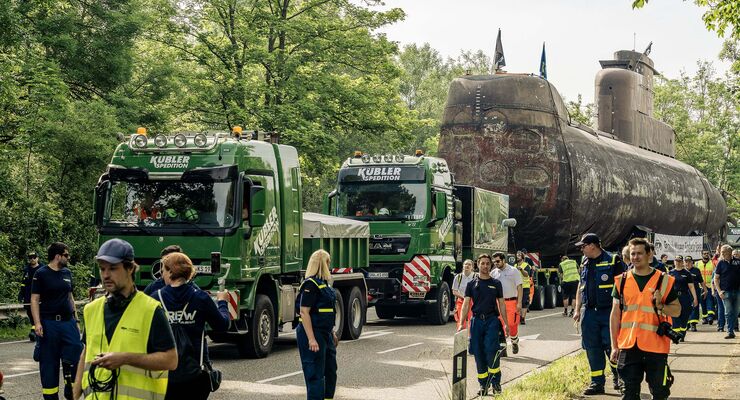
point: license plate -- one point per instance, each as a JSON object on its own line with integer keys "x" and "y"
{"x": 203, "y": 269}
{"x": 417, "y": 295}
{"x": 377, "y": 275}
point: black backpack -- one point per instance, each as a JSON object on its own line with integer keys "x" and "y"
{"x": 188, "y": 362}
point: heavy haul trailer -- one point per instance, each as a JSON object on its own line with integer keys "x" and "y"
{"x": 234, "y": 206}
{"x": 420, "y": 230}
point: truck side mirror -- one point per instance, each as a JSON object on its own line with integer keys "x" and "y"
{"x": 326, "y": 204}
{"x": 440, "y": 203}
{"x": 99, "y": 201}
{"x": 257, "y": 202}
{"x": 458, "y": 210}
{"x": 508, "y": 223}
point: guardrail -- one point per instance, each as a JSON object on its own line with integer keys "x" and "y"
{"x": 7, "y": 309}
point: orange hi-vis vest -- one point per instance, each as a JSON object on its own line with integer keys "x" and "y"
{"x": 639, "y": 323}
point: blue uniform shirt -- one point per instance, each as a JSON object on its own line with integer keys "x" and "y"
{"x": 24, "y": 295}
{"x": 683, "y": 279}
{"x": 597, "y": 279}
{"x": 484, "y": 293}
{"x": 54, "y": 287}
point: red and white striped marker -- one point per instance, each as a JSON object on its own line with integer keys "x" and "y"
{"x": 341, "y": 270}
{"x": 416, "y": 275}
{"x": 535, "y": 257}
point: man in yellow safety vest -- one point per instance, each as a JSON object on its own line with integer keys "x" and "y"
{"x": 706, "y": 267}
{"x": 526, "y": 270}
{"x": 569, "y": 285}
{"x": 129, "y": 346}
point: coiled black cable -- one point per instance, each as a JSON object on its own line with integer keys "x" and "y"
{"x": 102, "y": 386}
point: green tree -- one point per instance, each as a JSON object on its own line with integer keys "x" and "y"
{"x": 720, "y": 15}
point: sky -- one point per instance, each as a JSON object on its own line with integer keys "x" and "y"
{"x": 578, "y": 33}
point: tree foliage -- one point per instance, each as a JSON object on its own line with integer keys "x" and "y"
{"x": 720, "y": 15}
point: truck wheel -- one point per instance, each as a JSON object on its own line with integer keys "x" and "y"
{"x": 339, "y": 316}
{"x": 439, "y": 313}
{"x": 258, "y": 342}
{"x": 551, "y": 296}
{"x": 385, "y": 312}
{"x": 538, "y": 298}
{"x": 354, "y": 315}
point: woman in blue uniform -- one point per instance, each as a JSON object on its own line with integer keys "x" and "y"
{"x": 684, "y": 287}
{"x": 317, "y": 340}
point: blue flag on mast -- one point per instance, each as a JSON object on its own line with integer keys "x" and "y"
{"x": 543, "y": 63}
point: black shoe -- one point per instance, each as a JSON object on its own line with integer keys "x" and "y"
{"x": 570, "y": 314}
{"x": 515, "y": 348}
{"x": 617, "y": 384}
{"x": 68, "y": 392}
{"x": 720, "y": 329}
{"x": 711, "y": 321}
{"x": 483, "y": 392}
{"x": 503, "y": 351}
{"x": 496, "y": 388}
{"x": 593, "y": 389}
{"x": 704, "y": 321}
{"x": 693, "y": 328}
{"x": 522, "y": 322}
{"x": 730, "y": 336}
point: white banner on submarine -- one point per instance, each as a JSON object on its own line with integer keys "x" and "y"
{"x": 678, "y": 245}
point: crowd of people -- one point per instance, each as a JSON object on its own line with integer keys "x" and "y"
{"x": 628, "y": 309}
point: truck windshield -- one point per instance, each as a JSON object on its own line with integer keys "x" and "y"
{"x": 184, "y": 206}
{"x": 382, "y": 201}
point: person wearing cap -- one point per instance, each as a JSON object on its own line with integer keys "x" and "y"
{"x": 55, "y": 322}
{"x": 593, "y": 307}
{"x": 684, "y": 286}
{"x": 706, "y": 267}
{"x": 526, "y": 270}
{"x": 24, "y": 294}
{"x": 699, "y": 287}
{"x": 126, "y": 332}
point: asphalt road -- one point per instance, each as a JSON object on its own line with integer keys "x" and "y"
{"x": 397, "y": 359}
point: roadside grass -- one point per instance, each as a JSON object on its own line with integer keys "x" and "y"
{"x": 564, "y": 379}
{"x": 14, "y": 332}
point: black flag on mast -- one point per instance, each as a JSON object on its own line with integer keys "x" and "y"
{"x": 498, "y": 57}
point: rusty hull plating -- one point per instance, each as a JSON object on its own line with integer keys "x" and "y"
{"x": 511, "y": 134}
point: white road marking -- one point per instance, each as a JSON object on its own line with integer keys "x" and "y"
{"x": 543, "y": 316}
{"x": 280, "y": 377}
{"x": 21, "y": 374}
{"x": 370, "y": 336}
{"x": 399, "y": 348}
{"x": 529, "y": 337}
{"x": 17, "y": 341}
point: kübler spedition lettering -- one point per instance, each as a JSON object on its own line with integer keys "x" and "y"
{"x": 380, "y": 174}
{"x": 170, "y": 161}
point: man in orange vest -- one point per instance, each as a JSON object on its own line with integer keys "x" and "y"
{"x": 640, "y": 333}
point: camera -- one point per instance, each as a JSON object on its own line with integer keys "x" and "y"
{"x": 666, "y": 329}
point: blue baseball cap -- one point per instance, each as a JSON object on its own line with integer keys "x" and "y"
{"x": 588, "y": 239}
{"x": 115, "y": 251}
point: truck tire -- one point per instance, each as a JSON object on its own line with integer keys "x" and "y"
{"x": 339, "y": 317}
{"x": 438, "y": 313}
{"x": 551, "y": 296}
{"x": 538, "y": 298}
{"x": 385, "y": 312}
{"x": 257, "y": 343}
{"x": 354, "y": 315}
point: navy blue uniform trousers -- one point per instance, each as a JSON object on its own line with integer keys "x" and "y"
{"x": 319, "y": 368}
{"x": 61, "y": 341}
{"x": 485, "y": 348}
{"x": 596, "y": 341}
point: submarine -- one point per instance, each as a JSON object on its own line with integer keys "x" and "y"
{"x": 512, "y": 134}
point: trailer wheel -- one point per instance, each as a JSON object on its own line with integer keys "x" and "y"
{"x": 339, "y": 316}
{"x": 551, "y": 296}
{"x": 258, "y": 342}
{"x": 385, "y": 312}
{"x": 538, "y": 298}
{"x": 439, "y": 313}
{"x": 560, "y": 296}
{"x": 354, "y": 316}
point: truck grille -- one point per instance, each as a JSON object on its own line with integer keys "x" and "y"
{"x": 389, "y": 244}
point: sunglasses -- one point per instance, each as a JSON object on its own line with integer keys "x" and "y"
{"x": 65, "y": 255}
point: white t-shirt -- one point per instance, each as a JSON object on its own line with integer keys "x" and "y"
{"x": 461, "y": 281}
{"x": 509, "y": 277}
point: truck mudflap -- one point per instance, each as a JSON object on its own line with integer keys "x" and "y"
{"x": 416, "y": 279}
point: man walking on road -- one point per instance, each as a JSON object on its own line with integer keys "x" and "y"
{"x": 727, "y": 282}
{"x": 55, "y": 321}
{"x": 593, "y": 305}
{"x": 526, "y": 270}
{"x": 701, "y": 291}
{"x": 706, "y": 267}
{"x": 511, "y": 284}
{"x": 24, "y": 295}
{"x": 569, "y": 269}
{"x": 128, "y": 339}
{"x": 643, "y": 297}
{"x": 487, "y": 296}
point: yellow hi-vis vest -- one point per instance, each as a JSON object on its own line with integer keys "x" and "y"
{"x": 706, "y": 270}
{"x": 131, "y": 336}
{"x": 570, "y": 271}
{"x": 525, "y": 275}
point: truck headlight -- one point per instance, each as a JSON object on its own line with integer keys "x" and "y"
{"x": 180, "y": 140}
{"x": 388, "y": 158}
{"x": 200, "y": 140}
{"x": 366, "y": 158}
{"x": 160, "y": 141}
{"x": 376, "y": 158}
{"x": 140, "y": 141}
{"x": 399, "y": 157}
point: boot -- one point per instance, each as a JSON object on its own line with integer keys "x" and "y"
{"x": 594, "y": 389}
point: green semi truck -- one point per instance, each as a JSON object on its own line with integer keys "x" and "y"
{"x": 234, "y": 205}
{"x": 422, "y": 227}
